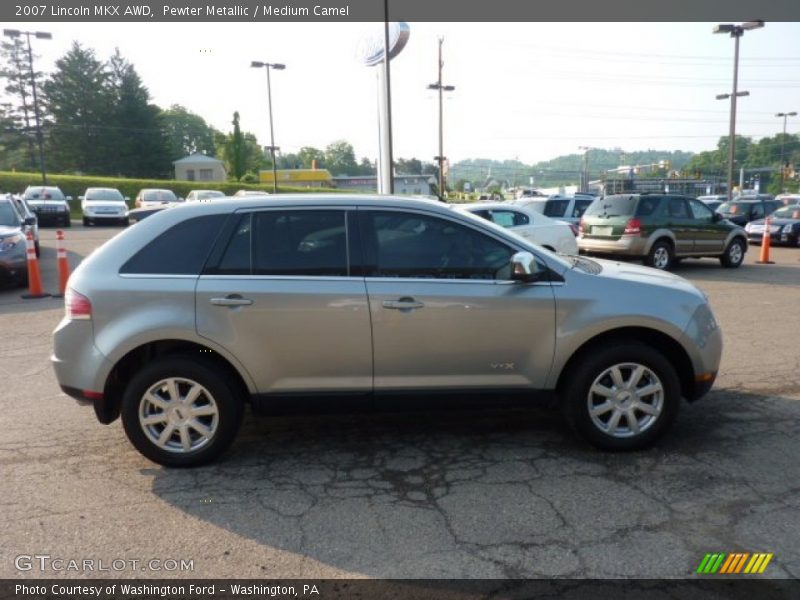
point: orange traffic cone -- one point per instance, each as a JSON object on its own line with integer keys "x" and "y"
{"x": 34, "y": 276}
{"x": 765, "y": 240}
{"x": 63, "y": 264}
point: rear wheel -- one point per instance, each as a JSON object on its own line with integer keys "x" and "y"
{"x": 660, "y": 256}
{"x": 180, "y": 412}
{"x": 734, "y": 254}
{"x": 625, "y": 398}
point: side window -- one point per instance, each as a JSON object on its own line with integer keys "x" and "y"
{"x": 400, "y": 244}
{"x": 180, "y": 250}
{"x": 509, "y": 218}
{"x": 758, "y": 211}
{"x": 580, "y": 208}
{"x": 647, "y": 205}
{"x": 300, "y": 242}
{"x": 483, "y": 214}
{"x": 235, "y": 257}
{"x": 676, "y": 208}
{"x": 555, "y": 208}
{"x": 700, "y": 211}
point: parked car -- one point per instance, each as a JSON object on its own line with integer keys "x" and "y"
{"x": 713, "y": 201}
{"x": 104, "y": 205}
{"x": 13, "y": 232}
{"x": 49, "y": 204}
{"x": 788, "y": 198}
{"x": 29, "y": 217}
{"x": 178, "y": 322}
{"x": 554, "y": 235}
{"x": 784, "y": 227}
{"x": 659, "y": 229}
{"x": 201, "y": 195}
{"x": 148, "y": 198}
{"x": 743, "y": 210}
{"x": 563, "y": 208}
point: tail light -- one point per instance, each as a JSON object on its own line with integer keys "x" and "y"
{"x": 77, "y": 305}
{"x": 581, "y": 227}
{"x": 633, "y": 227}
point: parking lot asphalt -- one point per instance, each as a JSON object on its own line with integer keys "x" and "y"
{"x": 476, "y": 493}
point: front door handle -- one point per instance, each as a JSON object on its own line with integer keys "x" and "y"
{"x": 231, "y": 300}
{"x": 402, "y": 304}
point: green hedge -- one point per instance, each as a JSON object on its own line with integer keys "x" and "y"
{"x": 75, "y": 185}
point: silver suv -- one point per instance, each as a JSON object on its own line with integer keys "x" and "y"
{"x": 179, "y": 321}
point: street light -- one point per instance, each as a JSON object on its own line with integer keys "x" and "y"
{"x": 735, "y": 31}
{"x": 441, "y": 89}
{"x": 783, "y": 139}
{"x": 39, "y": 35}
{"x": 585, "y": 182}
{"x": 272, "y": 148}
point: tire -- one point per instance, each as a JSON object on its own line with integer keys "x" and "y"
{"x": 86, "y": 222}
{"x": 37, "y": 248}
{"x": 661, "y": 255}
{"x": 220, "y": 412}
{"x": 124, "y": 222}
{"x": 734, "y": 254}
{"x": 591, "y": 378}
{"x": 67, "y": 222}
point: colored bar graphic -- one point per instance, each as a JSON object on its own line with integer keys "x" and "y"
{"x": 727, "y": 564}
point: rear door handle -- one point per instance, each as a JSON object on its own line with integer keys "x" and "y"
{"x": 231, "y": 300}
{"x": 402, "y": 304}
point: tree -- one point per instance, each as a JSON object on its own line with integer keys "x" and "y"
{"x": 241, "y": 152}
{"x": 189, "y": 133}
{"x": 19, "y": 118}
{"x": 308, "y": 154}
{"x": 340, "y": 158}
{"x": 79, "y": 103}
{"x": 139, "y": 146}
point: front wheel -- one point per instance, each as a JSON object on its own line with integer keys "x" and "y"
{"x": 734, "y": 254}
{"x": 66, "y": 222}
{"x": 181, "y": 412}
{"x": 625, "y": 398}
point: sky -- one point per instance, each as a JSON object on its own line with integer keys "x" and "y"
{"x": 526, "y": 91}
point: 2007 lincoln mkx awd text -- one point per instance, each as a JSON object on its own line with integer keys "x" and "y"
{"x": 180, "y": 320}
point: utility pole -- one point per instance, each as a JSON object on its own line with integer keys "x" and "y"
{"x": 736, "y": 32}
{"x": 783, "y": 140}
{"x": 441, "y": 88}
{"x": 585, "y": 177}
{"x": 272, "y": 147}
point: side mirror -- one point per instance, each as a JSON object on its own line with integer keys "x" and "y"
{"x": 69, "y": 198}
{"x": 524, "y": 267}
{"x": 127, "y": 198}
{"x": 30, "y": 221}
{"x": 81, "y": 198}
{"x": 717, "y": 217}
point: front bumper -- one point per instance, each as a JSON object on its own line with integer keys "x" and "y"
{"x": 776, "y": 239}
{"x": 14, "y": 264}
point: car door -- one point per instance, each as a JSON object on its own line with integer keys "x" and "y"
{"x": 445, "y": 313}
{"x": 278, "y": 294}
{"x": 679, "y": 221}
{"x": 708, "y": 235}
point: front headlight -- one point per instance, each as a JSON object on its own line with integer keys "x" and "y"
{"x": 62, "y": 208}
{"x": 787, "y": 228}
{"x": 748, "y": 227}
{"x": 11, "y": 241}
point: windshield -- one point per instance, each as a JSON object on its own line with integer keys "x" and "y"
{"x": 44, "y": 194}
{"x": 788, "y": 212}
{"x": 612, "y": 206}
{"x": 159, "y": 196}
{"x": 104, "y": 194}
{"x": 209, "y": 194}
{"x": 8, "y": 216}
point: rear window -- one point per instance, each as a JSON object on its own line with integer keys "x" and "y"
{"x": 44, "y": 194}
{"x": 734, "y": 208}
{"x": 614, "y": 206}
{"x": 180, "y": 250}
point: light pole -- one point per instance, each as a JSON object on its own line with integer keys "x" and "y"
{"x": 39, "y": 35}
{"x": 272, "y": 148}
{"x": 585, "y": 182}
{"x": 441, "y": 88}
{"x": 736, "y": 31}
{"x": 783, "y": 139}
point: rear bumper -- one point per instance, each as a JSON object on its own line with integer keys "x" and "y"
{"x": 627, "y": 245}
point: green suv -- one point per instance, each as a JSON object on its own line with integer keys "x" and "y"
{"x": 659, "y": 229}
